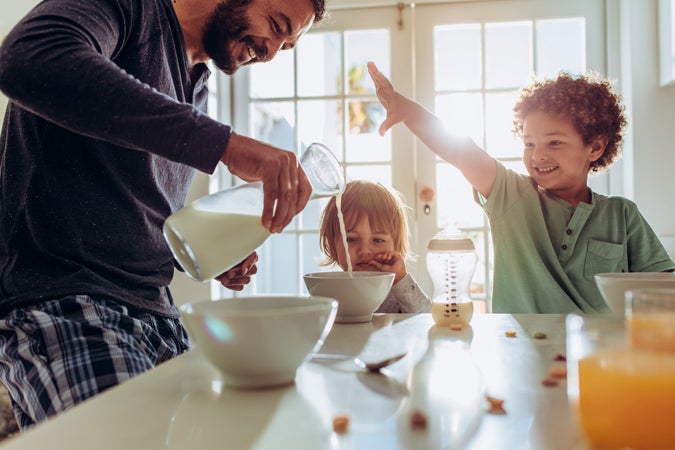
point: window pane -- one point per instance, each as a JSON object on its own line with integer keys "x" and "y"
{"x": 362, "y": 114}
{"x": 508, "y": 54}
{"x": 462, "y": 114}
{"x": 319, "y": 56}
{"x": 363, "y": 141}
{"x": 277, "y": 261}
{"x": 455, "y": 199}
{"x": 561, "y": 44}
{"x": 320, "y": 121}
{"x": 380, "y": 174}
{"x": 311, "y": 215}
{"x": 360, "y": 47}
{"x": 311, "y": 254}
{"x": 274, "y": 78}
{"x": 501, "y": 143}
{"x": 274, "y": 123}
{"x": 457, "y": 57}
{"x": 368, "y": 148}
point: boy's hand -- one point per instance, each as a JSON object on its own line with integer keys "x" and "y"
{"x": 387, "y": 96}
{"x": 390, "y": 262}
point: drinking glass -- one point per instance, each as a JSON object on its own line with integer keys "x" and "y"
{"x": 650, "y": 315}
{"x": 621, "y": 396}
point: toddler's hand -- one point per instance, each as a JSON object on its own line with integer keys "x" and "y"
{"x": 390, "y": 262}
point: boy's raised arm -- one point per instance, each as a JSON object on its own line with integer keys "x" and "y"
{"x": 477, "y": 166}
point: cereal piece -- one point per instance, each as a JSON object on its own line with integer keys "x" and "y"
{"x": 496, "y": 405}
{"x": 510, "y": 333}
{"x": 560, "y": 357}
{"x": 549, "y": 382}
{"x": 341, "y": 424}
{"x": 418, "y": 420}
{"x": 455, "y": 326}
{"x": 558, "y": 371}
{"x": 539, "y": 335}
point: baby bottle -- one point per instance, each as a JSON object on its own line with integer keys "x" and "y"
{"x": 451, "y": 261}
{"x": 216, "y": 232}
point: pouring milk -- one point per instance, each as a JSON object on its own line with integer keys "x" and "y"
{"x": 216, "y": 232}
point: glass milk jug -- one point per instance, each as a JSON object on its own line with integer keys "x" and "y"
{"x": 451, "y": 261}
{"x": 218, "y": 231}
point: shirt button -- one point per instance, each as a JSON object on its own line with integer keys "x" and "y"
{"x": 564, "y": 247}
{"x": 568, "y": 231}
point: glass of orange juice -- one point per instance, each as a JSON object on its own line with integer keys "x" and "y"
{"x": 621, "y": 396}
{"x": 650, "y": 315}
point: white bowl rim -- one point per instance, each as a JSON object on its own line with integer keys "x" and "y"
{"x": 209, "y": 307}
{"x": 335, "y": 274}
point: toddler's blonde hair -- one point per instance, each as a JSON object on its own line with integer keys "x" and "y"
{"x": 384, "y": 207}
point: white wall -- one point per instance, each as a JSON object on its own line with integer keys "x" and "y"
{"x": 653, "y": 119}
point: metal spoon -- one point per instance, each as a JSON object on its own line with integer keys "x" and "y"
{"x": 369, "y": 366}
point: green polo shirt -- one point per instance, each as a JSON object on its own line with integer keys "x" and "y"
{"x": 547, "y": 252}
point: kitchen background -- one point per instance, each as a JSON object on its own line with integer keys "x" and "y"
{"x": 629, "y": 40}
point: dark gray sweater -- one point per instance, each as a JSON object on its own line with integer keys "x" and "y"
{"x": 102, "y": 134}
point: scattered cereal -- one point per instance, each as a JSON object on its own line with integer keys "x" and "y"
{"x": 549, "y": 382}
{"x": 558, "y": 371}
{"x": 455, "y": 326}
{"x": 496, "y": 405}
{"x": 341, "y": 424}
{"x": 559, "y": 357}
{"x": 418, "y": 420}
{"x": 511, "y": 333}
{"x": 539, "y": 335}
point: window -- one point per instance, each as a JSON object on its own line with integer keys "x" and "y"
{"x": 319, "y": 92}
{"x": 468, "y": 60}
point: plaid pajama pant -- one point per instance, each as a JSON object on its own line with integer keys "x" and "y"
{"x": 60, "y": 352}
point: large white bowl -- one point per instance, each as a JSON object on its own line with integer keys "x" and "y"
{"x": 613, "y": 286}
{"x": 358, "y": 295}
{"x": 259, "y": 341}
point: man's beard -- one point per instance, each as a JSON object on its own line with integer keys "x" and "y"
{"x": 227, "y": 25}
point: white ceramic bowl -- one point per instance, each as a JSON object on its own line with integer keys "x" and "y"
{"x": 613, "y": 286}
{"x": 259, "y": 341}
{"x": 358, "y": 295}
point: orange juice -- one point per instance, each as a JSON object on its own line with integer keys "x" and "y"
{"x": 653, "y": 331}
{"x": 627, "y": 399}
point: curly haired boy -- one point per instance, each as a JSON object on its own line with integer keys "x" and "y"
{"x": 551, "y": 232}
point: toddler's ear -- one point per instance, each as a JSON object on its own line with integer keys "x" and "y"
{"x": 598, "y": 147}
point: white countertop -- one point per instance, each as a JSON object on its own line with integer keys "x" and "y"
{"x": 183, "y": 403}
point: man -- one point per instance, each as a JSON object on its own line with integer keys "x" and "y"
{"x": 102, "y": 135}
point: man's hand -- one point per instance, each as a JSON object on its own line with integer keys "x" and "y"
{"x": 240, "y": 275}
{"x": 285, "y": 185}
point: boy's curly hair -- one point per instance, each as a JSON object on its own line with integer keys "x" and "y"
{"x": 588, "y": 101}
